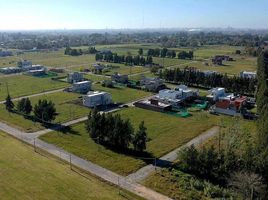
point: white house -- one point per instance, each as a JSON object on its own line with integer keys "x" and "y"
{"x": 186, "y": 92}
{"x": 245, "y": 74}
{"x": 152, "y": 84}
{"x": 216, "y": 93}
{"x": 81, "y": 87}
{"x": 97, "y": 98}
{"x": 75, "y": 77}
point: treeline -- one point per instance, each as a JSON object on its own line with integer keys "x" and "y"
{"x": 163, "y": 53}
{"x": 44, "y": 111}
{"x": 78, "y": 52}
{"x": 113, "y": 131}
{"x": 197, "y": 78}
{"x": 128, "y": 60}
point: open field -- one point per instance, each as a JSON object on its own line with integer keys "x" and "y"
{"x": 66, "y": 110}
{"x": 28, "y": 175}
{"x": 22, "y": 85}
{"x": 122, "y": 94}
{"x": 165, "y": 132}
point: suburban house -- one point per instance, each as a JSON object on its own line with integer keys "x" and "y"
{"x": 177, "y": 96}
{"x": 75, "y": 77}
{"x": 37, "y": 72}
{"x": 152, "y": 84}
{"x": 4, "y": 53}
{"x": 245, "y": 74}
{"x": 230, "y": 105}
{"x": 24, "y": 64}
{"x": 153, "y": 104}
{"x": 97, "y": 98}
{"x": 216, "y": 93}
{"x": 10, "y": 70}
{"x": 218, "y": 59}
{"x": 81, "y": 87}
{"x": 98, "y": 68}
{"x": 119, "y": 78}
{"x": 209, "y": 73}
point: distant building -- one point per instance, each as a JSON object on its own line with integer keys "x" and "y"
{"x": 24, "y": 64}
{"x": 218, "y": 59}
{"x": 98, "y": 68}
{"x": 81, "y": 87}
{"x": 209, "y": 73}
{"x": 10, "y": 70}
{"x": 105, "y": 51}
{"x": 37, "y": 72}
{"x": 153, "y": 104}
{"x": 119, "y": 78}
{"x": 216, "y": 93}
{"x": 245, "y": 74}
{"x": 152, "y": 84}
{"x": 4, "y": 53}
{"x": 75, "y": 77}
{"x": 97, "y": 98}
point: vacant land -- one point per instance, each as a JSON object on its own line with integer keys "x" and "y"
{"x": 22, "y": 85}
{"x": 165, "y": 132}
{"x": 65, "y": 104}
{"x": 28, "y": 175}
{"x": 122, "y": 94}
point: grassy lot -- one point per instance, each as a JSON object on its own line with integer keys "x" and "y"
{"x": 95, "y": 78}
{"x": 28, "y": 175}
{"x": 122, "y": 94}
{"x": 165, "y": 132}
{"x": 66, "y": 110}
{"x": 21, "y": 85}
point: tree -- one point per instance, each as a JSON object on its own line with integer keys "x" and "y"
{"x": 24, "y": 106}
{"x": 139, "y": 141}
{"x": 45, "y": 111}
{"x": 140, "y": 51}
{"x": 9, "y": 104}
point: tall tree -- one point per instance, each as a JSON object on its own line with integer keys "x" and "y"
{"x": 140, "y": 51}
{"x": 9, "y": 104}
{"x": 24, "y": 106}
{"x": 45, "y": 111}
{"x": 139, "y": 141}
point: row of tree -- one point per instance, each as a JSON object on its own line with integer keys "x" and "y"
{"x": 128, "y": 60}
{"x": 193, "y": 77}
{"x": 168, "y": 53}
{"x": 44, "y": 110}
{"x": 112, "y": 130}
{"x": 78, "y": 52}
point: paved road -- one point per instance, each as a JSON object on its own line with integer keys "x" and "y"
{"x": 94, "y": 169}
{"x": 172, "y": 156}
{"x": 35, "y": 95}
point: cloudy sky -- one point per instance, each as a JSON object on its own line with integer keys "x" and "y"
{"x": 101, "y": 14}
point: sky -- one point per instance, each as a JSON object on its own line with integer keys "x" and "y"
{"x": 132, "y": 14}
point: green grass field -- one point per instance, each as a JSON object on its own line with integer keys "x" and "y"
{"x": 28, "y": 175}
{"x": 22, "y": 85}
{"x": 66, "y": 110}
{"x": 122, "y": 94}
{"x": 165, "y": 132}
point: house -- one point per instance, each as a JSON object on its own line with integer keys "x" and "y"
{"x": 81, "y": 87}
{"x": 75, "y": 77}
{"x": 152, "y": 84}
{"x": 37, "y": 72}
{"x": 24, "y": 64}
{"x": 218, "y": 59}
{"x": 96, "y": 98}
{"x": 186, "y": 92}
{"x": 98, "y": 68}
{"x": 209, "y": 73}
{"x": 153, "y": 104}
{"x": 230, "y": 105}
{"x": 216, "y": 93}
{"x": 10, "y": 70}
{"x": 4, "y": 53}
{"x": 119, "y": 78}
{"x": 245, "y": 74}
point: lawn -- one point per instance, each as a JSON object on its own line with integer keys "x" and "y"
{"x": 28, "y": 175}
{"x": 122, "y": 94}
{"x": 165, "y": 132}
{"x": 22, "y": 85}
{"x": 66, "y": 110}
